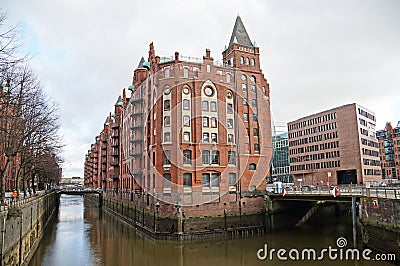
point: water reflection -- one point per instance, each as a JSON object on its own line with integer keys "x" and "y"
{"x": 84, "y": 235}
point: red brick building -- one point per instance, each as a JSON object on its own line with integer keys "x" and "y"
{"x": 194, "y": 137}
{"x": 389, "y": 151}
{"x": 337, "y": 146}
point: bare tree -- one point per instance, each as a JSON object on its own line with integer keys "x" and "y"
{"x": 28, "y": 118}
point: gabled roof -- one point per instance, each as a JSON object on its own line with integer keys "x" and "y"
{"x": 239, "y": 34}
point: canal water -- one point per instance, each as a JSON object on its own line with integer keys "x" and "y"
{"x": 84, "y": 235}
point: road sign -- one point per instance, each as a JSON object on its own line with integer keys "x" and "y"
{"x": 375, "y": 203}
{"x": 335, "y": 192}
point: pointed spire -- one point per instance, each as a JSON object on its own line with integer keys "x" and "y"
{"x": 119, "y": 101}
{"x": 141, "y": 63}
{"x": 239, "y": 34}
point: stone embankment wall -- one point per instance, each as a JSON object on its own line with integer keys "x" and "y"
{"x": 181, "y": 225}
{"x": 380, "y": 224}
{"x": 22, "y": 226}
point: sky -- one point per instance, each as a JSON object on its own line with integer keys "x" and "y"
{"x": 315, "y": 54}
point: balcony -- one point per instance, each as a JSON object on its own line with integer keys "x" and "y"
{"x": 115, "y": 135}
{"x": 114, "y": 164}
{"x": 136, "y": 100}
{"x": 115, "y": 154}
{"x": 134, "y": 127}
{"x": 114, "y": 176}
{"x": 136, "y": 140}
{"x": 115, "y": 144}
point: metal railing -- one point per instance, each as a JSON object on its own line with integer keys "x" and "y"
{"x": 358, "y": 191}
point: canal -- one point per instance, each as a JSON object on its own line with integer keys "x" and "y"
{"x": 84, "y": 235}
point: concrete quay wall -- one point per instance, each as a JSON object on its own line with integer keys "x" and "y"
{"x": 22, "y": 226}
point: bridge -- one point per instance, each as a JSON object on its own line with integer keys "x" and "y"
{"x": 344, "y": 194}
{"x": 79, "y": 191}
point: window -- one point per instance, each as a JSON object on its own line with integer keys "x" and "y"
{"x": 186, "y": 90}
{"x": 232, "y": 179}
{"x": 214, "y": 180}
{"x": 208, "y": 68}
{"x": 255, "y": 132}
{"x": 213, "y": 106}
{"x": 167, "y": 137}
{"x": 167, "y": 105}
{"x": 252, "y": 166}
{"x": 208, "y": 91}
{"x": 167, "y": 180}
{"x": 228, "y": 78}
{"x": 205, "y": 121}
{"x": 186, "y": 72}
{"x": 167, "y": 157}
{"x": 214, "y": 157}
{"x": 230, "y": 138}
{"x": 242, "y": 60}
{"x": 253, "y": 79}
{"x": 213, "y": 122}
{"x": 167, "y": 91}
{"x": 244, "y": 87}
{"x": 205, "y": 180}
{"x": 244, "y": 77}
{"x": 256, "y": 147}
{"x": 186, "y": 104}
{"x": 205, "y": 157}
{"x": 231, "y": 157}
{"x": 186, "y": 120}
{"x": 229, "y": 123}
{"x": 229, "y": 95}
{"x": 166, "y": 73}
{"x": 246, "y": 117}
{"x": 206, "y": 137}
{"x": 253, "y": 88}
{"x": 187, "y": 157}
{"x": 247, "y": 61}
{"x": 213, "y": 137}
{"x": 187, "y": 179}
{"x": 229, "y": 108}
{"x": 254, "y": 103}
{"x": 167, "y": 121}
{"x": 186, "y": 136}
{"x": 252, "y": 62}
{"x": 255, "y": 118}
{"x": 245, "y": 101}
{"x": 205, "y": 105}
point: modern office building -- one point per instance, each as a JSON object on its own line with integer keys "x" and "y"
{"x": 193, "y": 140}
{"x": 337, "y": 146}
{"x": 280, "y": 166}
{"x": 389, "y": 151}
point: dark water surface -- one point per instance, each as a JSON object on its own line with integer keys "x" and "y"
{"x": 85, "y": 235}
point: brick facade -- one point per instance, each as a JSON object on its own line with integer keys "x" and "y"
{"x": 337, "y": 146}
{"x": 193, "y": 138}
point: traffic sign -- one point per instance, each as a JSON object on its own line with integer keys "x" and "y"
{"x": 375, "y": 203}
{"x": 335, "y": 192}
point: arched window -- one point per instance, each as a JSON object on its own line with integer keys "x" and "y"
{"x": 228, "y": 78}
{"x": 167, "y": 105}
{"x": 166, "y": 72}
{"x": 186, "y": 104}
{"x": 252, "y": 166}
{"x": 247, "y": 61}
{"x": 186, "y": 72}
{"x": 242, "y": 60}
{"x": 252, "y": 62}
{"x": 244, "y": 77}
{"x": 187, "y": 157}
